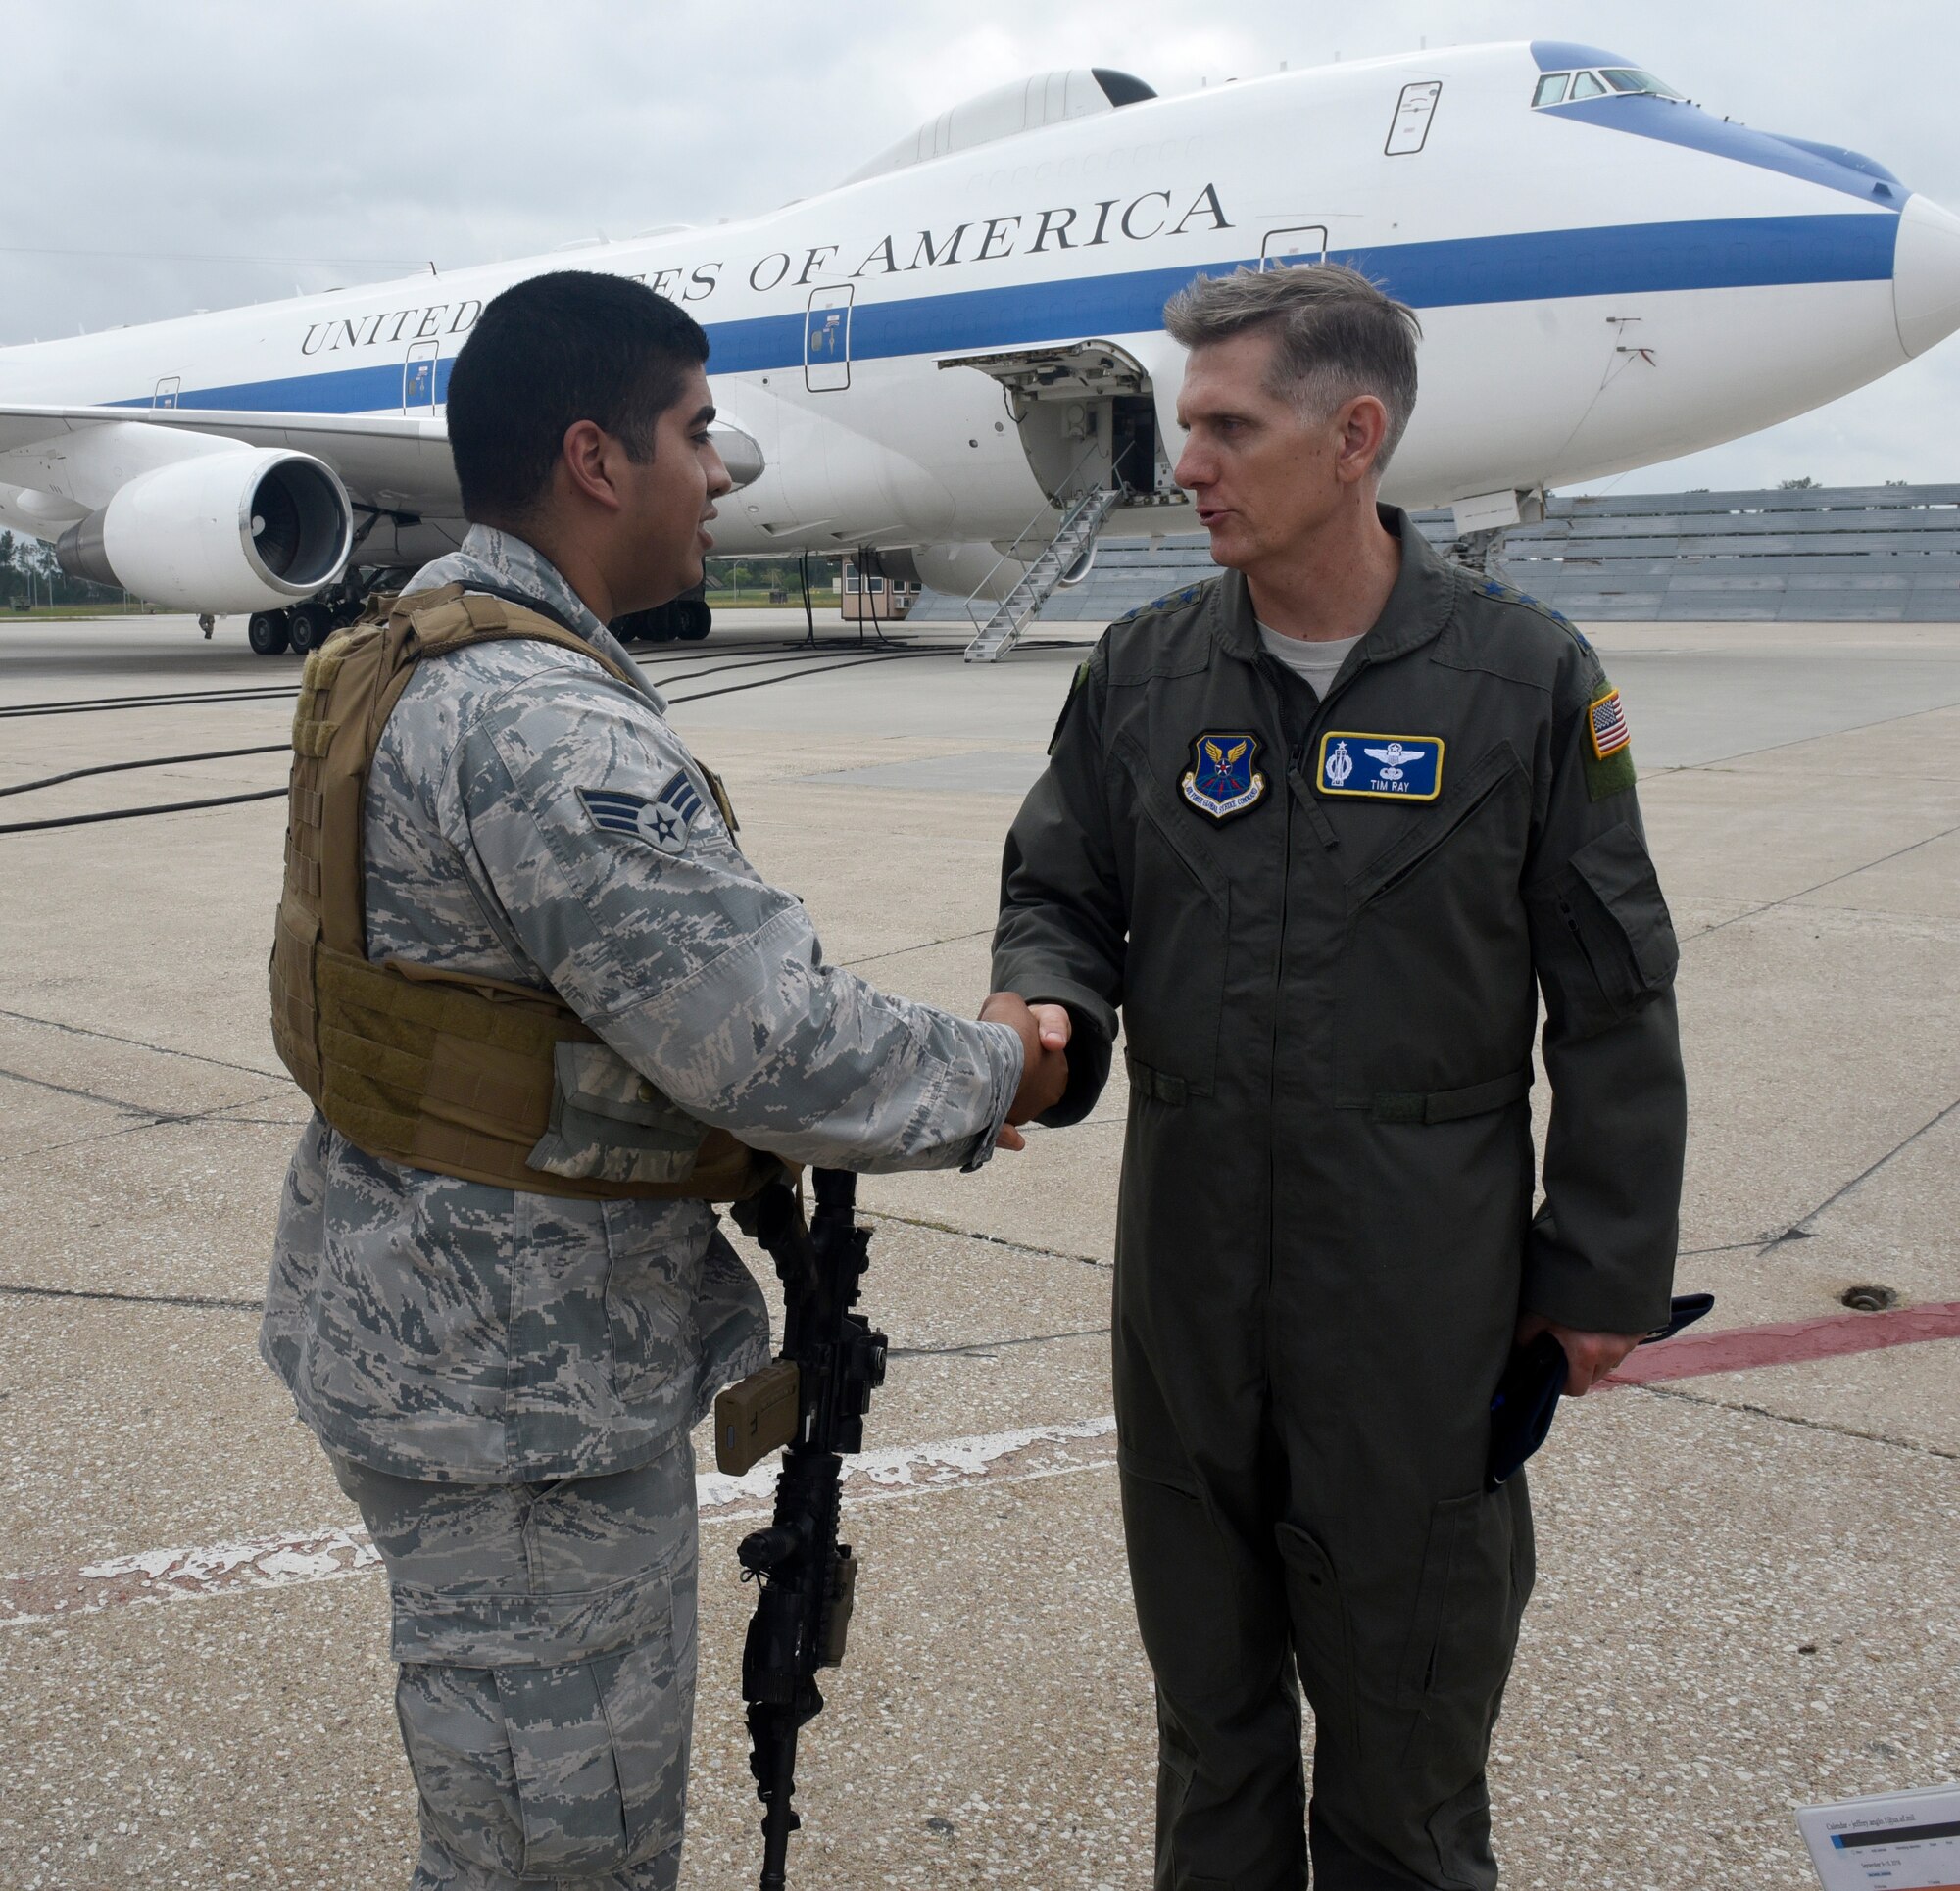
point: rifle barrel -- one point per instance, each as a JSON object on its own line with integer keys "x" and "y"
{"x": 807, "y": 1576}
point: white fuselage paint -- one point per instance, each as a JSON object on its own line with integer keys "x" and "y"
{"x": 1077, "y": 230}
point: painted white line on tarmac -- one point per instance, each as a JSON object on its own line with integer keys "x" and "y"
{"x": 1019, "y": 1456}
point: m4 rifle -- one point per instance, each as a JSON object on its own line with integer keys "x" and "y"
{"x": 812, "y": 1399}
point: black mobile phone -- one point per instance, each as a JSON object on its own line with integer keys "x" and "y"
{"x": 1523, "y": 1406}
{"x": 1686, "y": 1309}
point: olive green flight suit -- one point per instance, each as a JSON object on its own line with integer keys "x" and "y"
{"x": 1325, "y": 1233}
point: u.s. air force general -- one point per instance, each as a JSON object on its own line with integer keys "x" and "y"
{"x": 548, "y": 1016}
{"x": 1323, "y": 830}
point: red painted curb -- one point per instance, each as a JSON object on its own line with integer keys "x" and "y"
{"x": 1788, "y": 1342}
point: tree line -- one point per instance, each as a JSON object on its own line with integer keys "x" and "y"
{"x": 770, "y": 574}
{"x": 30, "y": 576}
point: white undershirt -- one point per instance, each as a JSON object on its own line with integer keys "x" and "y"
{"x": 1316, "y": 662}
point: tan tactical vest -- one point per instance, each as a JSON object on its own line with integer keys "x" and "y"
{"x": 466, "y": 1076}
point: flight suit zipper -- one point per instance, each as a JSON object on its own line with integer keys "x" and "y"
{"x": 1276, "y": 710}
{"x": 1296, "y": 786}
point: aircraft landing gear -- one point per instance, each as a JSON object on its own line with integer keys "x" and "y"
{"x": 266, "y": 632}
{"x": 687, "y": 618}
{"x": 207, "y": 623}
{"x": 308, "y": 626}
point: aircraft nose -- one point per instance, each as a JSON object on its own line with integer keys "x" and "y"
{"x": 1925, "y": 275}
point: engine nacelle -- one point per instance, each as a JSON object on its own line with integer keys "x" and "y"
{"x": 741, "y": 453}
{"x": 977, "y": 571}
{"x": 254, "y": 529}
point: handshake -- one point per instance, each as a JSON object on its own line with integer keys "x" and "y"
{"x": 1043, "y": 1030}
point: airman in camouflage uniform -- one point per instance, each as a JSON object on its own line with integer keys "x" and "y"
{"x": 505, "y": 1380}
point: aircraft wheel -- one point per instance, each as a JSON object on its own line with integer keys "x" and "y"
{"x": 266, "y": 633}
{"x": 653, "y": 626}
{"x": 696, "y": 620}
{"x": 306, "y": 628}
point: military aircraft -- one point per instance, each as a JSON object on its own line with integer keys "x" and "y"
{"x": 957, "y": 352}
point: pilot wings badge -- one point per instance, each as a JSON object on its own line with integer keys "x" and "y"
{"x": 1221, "y": 779}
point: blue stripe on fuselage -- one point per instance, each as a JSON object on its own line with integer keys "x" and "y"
{"x": 1672, "y": 121}
{"x": 1562, "y": 55}
{"x": 1628, "y": 258}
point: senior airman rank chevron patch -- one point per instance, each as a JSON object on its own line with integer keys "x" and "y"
{"x": 1607, "y": 721}
{"x": 662, "y": 822}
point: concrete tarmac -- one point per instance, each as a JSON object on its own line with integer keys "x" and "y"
{"x": 1749, "y": 1595}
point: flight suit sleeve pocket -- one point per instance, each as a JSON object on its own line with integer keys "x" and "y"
{"x": 1605, "y": 942}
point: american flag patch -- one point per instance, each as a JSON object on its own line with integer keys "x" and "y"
{"x": 1607, "y": 721}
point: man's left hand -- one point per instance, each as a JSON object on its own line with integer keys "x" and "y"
{"x": 1588, "y": 1356}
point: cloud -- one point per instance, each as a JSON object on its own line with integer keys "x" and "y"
{"x": 316, "y": 138}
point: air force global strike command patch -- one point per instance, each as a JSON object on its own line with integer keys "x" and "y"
{"x": 662, "y": 822}
{"x": 1373, "y": 767}
{"x": 1221, "y": 779}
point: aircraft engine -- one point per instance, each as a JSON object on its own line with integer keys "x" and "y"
{"x": 741, "y": 453}
{"x": 254, "y": 529}
{"x": 976, "y": 571}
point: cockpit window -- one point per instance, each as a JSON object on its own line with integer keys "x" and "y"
{"x": 1623, "y": 79}
{"x": 1585, "y": 87}
{"x": 1551, "y": 88}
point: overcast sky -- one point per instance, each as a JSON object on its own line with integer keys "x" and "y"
{"x": 230, "y": 153}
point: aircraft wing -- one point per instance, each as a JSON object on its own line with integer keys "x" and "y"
{"x": 396, "y": 463}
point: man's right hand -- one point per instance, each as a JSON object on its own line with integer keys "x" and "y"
{"x": 1043, "y": 1031}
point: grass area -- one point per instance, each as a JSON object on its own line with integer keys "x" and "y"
{"x": 755, "y": 599}
{"x": 45, "y": 613}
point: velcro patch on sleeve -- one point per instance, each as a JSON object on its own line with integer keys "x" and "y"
{"x": 1613, "y": 776}
{"x": 1609, "y": 752}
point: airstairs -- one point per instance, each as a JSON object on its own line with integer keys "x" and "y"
{"x": 1080, "y": 525}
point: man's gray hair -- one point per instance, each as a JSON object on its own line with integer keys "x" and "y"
{"x": 1336, "y": 335}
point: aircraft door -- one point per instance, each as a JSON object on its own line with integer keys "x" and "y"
{"x": 1287, "y": 248}
{"x": 1087, "y": 415}
{"x": 167, "y": 391}
{"x": 1413, "y": 110}
{"x": 826, "y": 340}
{"x": 1133, "y": 442}
{"x": 419, "y": 378}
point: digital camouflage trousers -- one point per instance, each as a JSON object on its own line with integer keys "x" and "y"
{"x": 546, "y": 1636}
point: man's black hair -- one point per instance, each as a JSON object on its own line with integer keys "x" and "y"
{"x": 570, "y": 346}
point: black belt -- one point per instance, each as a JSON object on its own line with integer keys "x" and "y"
{"x": 1450, "y": 1105}
{"x": 1389, "y": 1106}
